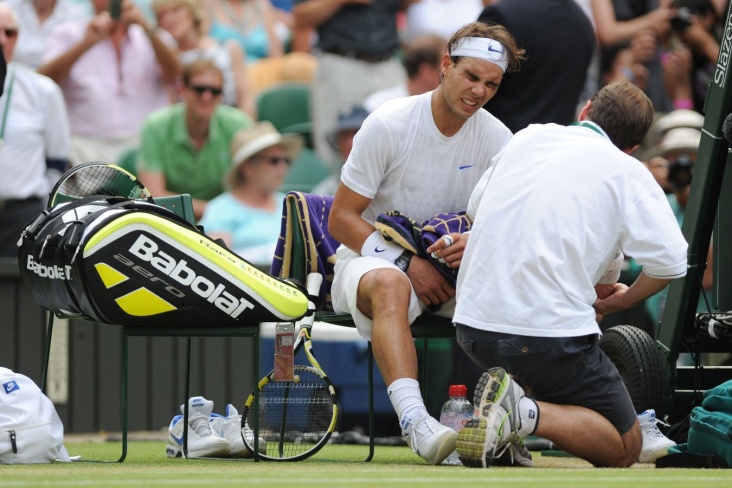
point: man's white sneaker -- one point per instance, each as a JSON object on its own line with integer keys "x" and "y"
{"x": 496, "y": 423}
{"x": 229, "y": 427}
{"x": 655, "y": 444}
{"x": 202, "y": 441}
{"x": 428, "y": 438}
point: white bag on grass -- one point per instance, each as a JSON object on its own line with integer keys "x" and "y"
{"x": 31, "y": 431}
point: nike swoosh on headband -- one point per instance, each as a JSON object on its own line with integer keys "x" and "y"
{"x": 466, "y": 166}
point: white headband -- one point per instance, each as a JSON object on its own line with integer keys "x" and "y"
{"x": 483, "y": 48}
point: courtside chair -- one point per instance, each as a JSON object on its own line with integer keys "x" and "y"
{"x": 287, "y": 106}
{"x": 305, "y": 246}
{"x": 182, "y": 206}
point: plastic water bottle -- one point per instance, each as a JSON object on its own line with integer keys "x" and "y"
{"x": 455, "y": 412}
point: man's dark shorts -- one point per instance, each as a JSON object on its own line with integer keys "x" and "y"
{"x": 565, "y": 371}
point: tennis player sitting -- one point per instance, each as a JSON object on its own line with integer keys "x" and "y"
{"x": 421, "y": 155}
{"x": 558, "y": 204}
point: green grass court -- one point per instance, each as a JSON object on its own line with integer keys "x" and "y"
{"x": 335, "y": 466}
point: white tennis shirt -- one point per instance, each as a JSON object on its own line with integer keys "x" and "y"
{"x": 558, "y": 205}
{"x": 403, "y": 162}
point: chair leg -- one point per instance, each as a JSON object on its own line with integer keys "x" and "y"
{"x": 187, "y": 396}
{"x": 423, "y": 381}
{"x": 125, "y": 390}
{"x": 255, "y": 382}
{"x": 49, "y": 336}
{"x": 123, "y": 454}
{"x": 371, "y": 404}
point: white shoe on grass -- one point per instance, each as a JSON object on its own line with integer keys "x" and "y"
{"x": 430, "y": 439}
{"x": 202, "y": 440}
{"x": 655, "y": 444}
{"x": 229, "y": 427}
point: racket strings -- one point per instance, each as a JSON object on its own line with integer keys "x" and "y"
{"x": 295, "y": 415}
{"x": 102, "y": 180}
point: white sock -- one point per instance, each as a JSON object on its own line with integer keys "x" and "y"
{"x": 529, "y": 415}
{"x": 406, "y": 398}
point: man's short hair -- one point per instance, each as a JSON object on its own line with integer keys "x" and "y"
{"x": 623, "y": 111}
{"x": 515, "y": 55}
{"x": 426, "y": 49}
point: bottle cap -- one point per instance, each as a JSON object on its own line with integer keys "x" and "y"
{"x": 458, "y": 390}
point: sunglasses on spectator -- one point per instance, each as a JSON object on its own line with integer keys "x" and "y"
{"x": 273, "y": 160}
{"x": 201, "y": 89}
{"x": 10, "y": 32}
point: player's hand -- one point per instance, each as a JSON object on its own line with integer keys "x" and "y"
{"x": 429, "y": 285}
{"x": 604, "y": 291}
{"x": 450, "y": 249}
{"x": 613, "y": 301}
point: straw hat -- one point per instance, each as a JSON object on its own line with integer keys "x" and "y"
{"x": 679, "y": 139}
{"x": 249, "y": 141}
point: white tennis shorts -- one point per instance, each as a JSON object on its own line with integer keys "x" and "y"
{"x": 349, "y": 269}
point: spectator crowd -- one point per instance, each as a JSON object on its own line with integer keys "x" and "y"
{"x": 127, "y": 71}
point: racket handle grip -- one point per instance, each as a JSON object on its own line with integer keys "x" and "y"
{"x": 312, "y": 283}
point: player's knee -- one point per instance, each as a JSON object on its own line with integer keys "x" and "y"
{"x": 386, "y": 286}
{"x": 632, "y": 443}
{"x": 632, "y": 452}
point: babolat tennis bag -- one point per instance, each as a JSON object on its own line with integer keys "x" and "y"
{"x": 121, "y": 261}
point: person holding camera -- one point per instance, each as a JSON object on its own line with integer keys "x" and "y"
{"x": 691, "y": 58}
{"x": 113, "y": 70}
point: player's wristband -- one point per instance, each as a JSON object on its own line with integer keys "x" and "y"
{"x": 375, "y": 245}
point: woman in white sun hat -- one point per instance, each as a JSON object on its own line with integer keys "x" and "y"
{"x": 247, "y": 217}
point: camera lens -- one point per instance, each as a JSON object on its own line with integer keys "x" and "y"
{"x": 680, "y": 171}
{"x": 682, "y": 19}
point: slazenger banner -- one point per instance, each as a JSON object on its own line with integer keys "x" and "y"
{"x": 143, "y": 265}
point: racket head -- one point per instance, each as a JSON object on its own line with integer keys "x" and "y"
{"x": 97, "y": 178}
{"x": 296, "y": 418}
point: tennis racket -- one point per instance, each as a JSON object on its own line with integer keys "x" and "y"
{"x": 97, "y": 179}
{"x": 296, "y": 418}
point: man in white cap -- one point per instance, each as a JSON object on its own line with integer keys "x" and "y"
{"x": 421, "y": 155}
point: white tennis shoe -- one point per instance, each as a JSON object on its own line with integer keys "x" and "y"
{"x": 202, "y": 440}
{"x": 430, "y": 439}
{"x": 655, "y": 444}
{"x": 229, "y": 427}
